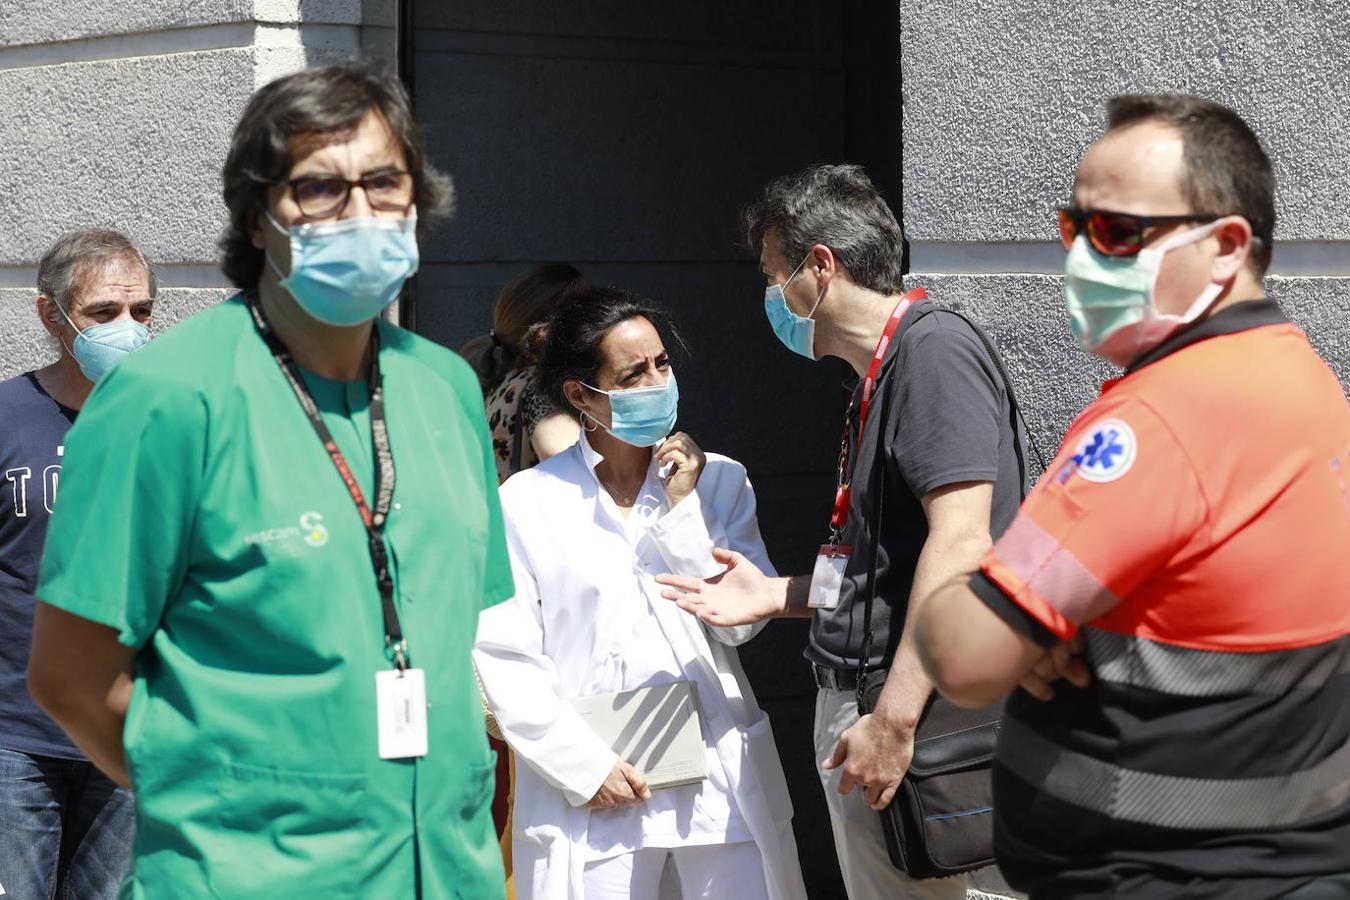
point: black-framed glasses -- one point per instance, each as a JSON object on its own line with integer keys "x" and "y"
{"x": 1115, "y": 233}
{"x": 321, "y": 196}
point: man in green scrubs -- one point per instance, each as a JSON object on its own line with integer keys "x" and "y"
{"x": 230, "y": 573}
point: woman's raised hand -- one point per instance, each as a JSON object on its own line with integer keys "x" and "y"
{"x": 687, "y": 461}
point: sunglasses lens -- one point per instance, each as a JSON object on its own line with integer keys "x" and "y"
{"x": 1114, "y": 235}
{"x": 1068, "y": 228}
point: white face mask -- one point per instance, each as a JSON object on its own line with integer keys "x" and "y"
{"x": 1110, "y": 299}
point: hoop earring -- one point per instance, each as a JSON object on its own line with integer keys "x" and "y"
{"x": 594, "y": 426}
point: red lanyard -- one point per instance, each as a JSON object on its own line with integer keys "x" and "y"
{"x": 842, "y": 494}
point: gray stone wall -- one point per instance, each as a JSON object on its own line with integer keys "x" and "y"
{"x": 1002, "y": 98}
{"x": 119, "y": 115}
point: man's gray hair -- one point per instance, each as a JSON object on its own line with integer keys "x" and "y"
{"x": 837, "y": 206}
{"x": 78, "y": 256}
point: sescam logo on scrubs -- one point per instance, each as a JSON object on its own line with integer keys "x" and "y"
{"x": 316, "y": 535}
{"x": 1107, "y": 452}
{"x": 311, "y": 530}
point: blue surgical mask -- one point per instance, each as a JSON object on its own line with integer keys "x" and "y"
{"x": 100, "y": 347}
{"x": 346, "y": 272}
{"x": 798, "y": 333}
{"x": 642, "y": 416}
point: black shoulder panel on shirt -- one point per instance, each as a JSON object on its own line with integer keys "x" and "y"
{"x": 1003, "y": 606}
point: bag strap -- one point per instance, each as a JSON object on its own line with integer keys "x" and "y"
{"x": 874, "y": 520}
{"x": 874, "y": 523}
{"x": 1016, "y": 411}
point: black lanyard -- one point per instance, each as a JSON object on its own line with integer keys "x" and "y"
{"x": 384, "y": 467}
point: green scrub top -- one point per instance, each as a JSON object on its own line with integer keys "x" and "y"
{"x": 201, "y": 518}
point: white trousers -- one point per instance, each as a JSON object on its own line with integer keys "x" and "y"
{"x": 712, "y": 872}
{"x": 858, "y": 838}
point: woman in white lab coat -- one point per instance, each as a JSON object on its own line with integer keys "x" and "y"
{"x": 588, "y": 531}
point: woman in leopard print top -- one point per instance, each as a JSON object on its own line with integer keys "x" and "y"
{"x": 525, "y": 427}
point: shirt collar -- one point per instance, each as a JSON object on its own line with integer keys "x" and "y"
{"x": 1241, "y": 316}
{"x": 589, "y": 454}
{"x": 648, "y": 503}
{"x": 592, "y": 457}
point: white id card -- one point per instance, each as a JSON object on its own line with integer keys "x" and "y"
{"x": 401, "y": 713}
{"x": 828, "y": 576}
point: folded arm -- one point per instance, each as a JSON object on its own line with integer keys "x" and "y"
{"x": 971, "y": 655}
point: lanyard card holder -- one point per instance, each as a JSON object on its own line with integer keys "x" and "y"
{"x": 828, "y": 576}
{"x": 401, "y": 713}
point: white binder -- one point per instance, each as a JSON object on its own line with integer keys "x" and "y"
{"x": 655, "y": 729}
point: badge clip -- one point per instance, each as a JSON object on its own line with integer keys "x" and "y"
{"x": 828, "y": 576}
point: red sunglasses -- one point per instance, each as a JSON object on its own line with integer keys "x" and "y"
{"x": 1113, "y": 233}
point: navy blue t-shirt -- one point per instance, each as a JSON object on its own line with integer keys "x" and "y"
{"x": 33, "y": 429}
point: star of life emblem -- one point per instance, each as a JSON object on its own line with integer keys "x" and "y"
{"x": 1107, "y": 452}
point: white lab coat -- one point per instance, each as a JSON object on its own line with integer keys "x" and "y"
{"x": 576, "y": 576}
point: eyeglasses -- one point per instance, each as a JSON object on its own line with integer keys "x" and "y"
{"x": 326, "y": 196}
{"x": 1113, "y": 233}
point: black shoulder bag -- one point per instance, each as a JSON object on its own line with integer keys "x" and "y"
{"x": 940, "y": 822}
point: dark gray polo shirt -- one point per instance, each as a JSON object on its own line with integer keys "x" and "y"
{"x": 950, "y": 421}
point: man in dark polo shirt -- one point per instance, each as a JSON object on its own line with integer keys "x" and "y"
{"x": 830, "y": 250}
{"x": 65, "y": 828}
{"x": 1183, "y": 562}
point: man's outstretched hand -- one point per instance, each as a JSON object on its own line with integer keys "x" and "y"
{"x": 741, "y": 595}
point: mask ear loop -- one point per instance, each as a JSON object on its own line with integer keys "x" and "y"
{"x": 65, "y": 315}
{"x": 782, "y": 288}
{"x": 796, "y": 270}
{"x": 585, "y": 415}
{"x": 820, "y": 299}
{"x": 281, "y": 276}
{"x": 1205, "y": 299}
{"x": 78, "y": 332}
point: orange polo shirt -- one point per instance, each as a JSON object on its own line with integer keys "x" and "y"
{"x": 1203, "y": 501}
{"x": 1195, "y": 527}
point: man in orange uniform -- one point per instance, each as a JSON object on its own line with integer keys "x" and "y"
{"x": 1184, "y": 564}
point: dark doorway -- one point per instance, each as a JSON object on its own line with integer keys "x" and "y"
{"x": 624, "y": 136}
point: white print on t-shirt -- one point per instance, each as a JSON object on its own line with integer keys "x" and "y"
{"x": 18, "y": 479}
{"x": 51, "y": 477}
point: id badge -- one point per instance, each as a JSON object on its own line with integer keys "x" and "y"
{"x": 828, "y": 576}
{"x": 401, "y": 713}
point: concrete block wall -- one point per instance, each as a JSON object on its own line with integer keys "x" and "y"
{"x": 1001, "y": 99}
{"x": 119, "y": 115}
